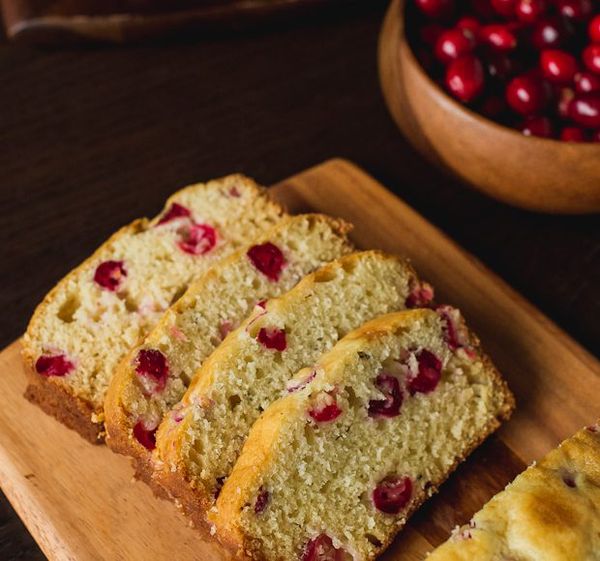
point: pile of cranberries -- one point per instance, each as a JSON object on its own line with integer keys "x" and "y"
{"x": 529, "y": 64}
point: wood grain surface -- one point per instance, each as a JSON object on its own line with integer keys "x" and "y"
{"x": 79, "y": 503}
{"x": 92, "y": 138}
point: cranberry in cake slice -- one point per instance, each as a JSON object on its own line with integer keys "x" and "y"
{"x": 350, "y": 454}
{"x": 155, "y": 374}
{"x": 254, "y": 364}
{"x": 112, "y": 300}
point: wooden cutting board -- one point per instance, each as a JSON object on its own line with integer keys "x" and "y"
{"x": 79, "y": 502}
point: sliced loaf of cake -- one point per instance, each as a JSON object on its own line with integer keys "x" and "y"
{"x": 551, "y": 512}
{"x": 332, "y": 471}
{"x": 154, "y": 375}
{"x": 198, "y": 443}
{"x": 87, "y": 323}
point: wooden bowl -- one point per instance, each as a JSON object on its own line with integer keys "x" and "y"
{"x": 529, "y": 172}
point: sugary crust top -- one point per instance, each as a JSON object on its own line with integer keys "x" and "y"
{"x": 551, "y": 512}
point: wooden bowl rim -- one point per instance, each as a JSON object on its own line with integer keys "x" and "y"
{"x": 449, "y": 102}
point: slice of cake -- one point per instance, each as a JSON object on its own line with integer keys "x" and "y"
{"x": 198, "y": 443}
{"x": 332, "y": 471}
{"x": 87, "y": 323}
{"x": 551, "y": 512}
{"x": 154, "y": 375}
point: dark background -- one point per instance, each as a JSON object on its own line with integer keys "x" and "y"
{"x": 92, "y": 138}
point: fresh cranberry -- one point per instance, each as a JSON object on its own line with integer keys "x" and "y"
{"x": 430, "y": 33}
{"x": 577, "y": 10}
{"x": 548, "y": 33}
{"x": 537, "y": 126}
{"x": 175, "y": 211}
{"x": 529, "y": 11}
{"x": 465, "y": 78}
{"x": 110, "y": 274}
{"x": 591, "y": 58}
{"x": 53, "y": 365}
{"x": 454, "y": 43}
{"x": 197, "y": 239}
{"x": 559, "y": 67}
{"x": 392, "y": 494}
{"x": 321, "y": 548}
{"x": 389, "y": 406}
{"x": 565, "y": 95}
{"x": 325, "y": 408}
{"x": 151, "y": 365}
{"x": 586, "y": 82}
{"x": 584, "y": 109}
{"x": 504, "y": 8}
{"x": 499, "y": 37}
{"x": 421, "y": 296}
{"x": 262, "y": 500}
{"x": 572, "y": 134}
{"x": 268, "y": 259}
{"x": 470, "y": 24}
{"x": 146, "y": 437}
{"x": 272, "y": 338}
{"x": 436, "y": 9}
{"x": 594, "y": 29}
{"x": 430, "y": 372}
{"x": 526, "y": 95}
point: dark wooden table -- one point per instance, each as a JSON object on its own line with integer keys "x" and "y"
{"x": 91, "y": 138}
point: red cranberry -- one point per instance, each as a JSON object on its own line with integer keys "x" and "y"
{"x": 272, "y": 338}
{"x": 526, "y": 95}
{"x": 470, "y": 24}
{"x": 197, "y": 239}
{"x": 389, "y": 406}
{"x": 146, "y": 437}
{"x": 175, "y": 211}
{"x": 430, "y": 372}
{"x": 591, "y": 58}
{"x": 586, "y": 82}
{"x": 504, "y": 8}
{"x": 110, "y": 274}
{"x": 321, "y": 548}
{"x": 325, "y": 408}
{"x": 548, "y": 34}
{"x": 537, "y": 126}
{"x": 577, "y": 10}
{"x": 529, "y": 11}
{"x": 262, "y": 500}
{"x": 558, "y": 66}
{"x": 430, "y": 33}
{"x": 421, "y": 296}
{"x": 151, "y": 365}
{"x": 572, "y": 134}
{"x": 392, "y": 494}
{"x": 436, "y": 9}
{"x": 499, "y": 37}
{"x": 465, "y": 78}
{"x": 53, "y": 365}
{"x": 594, "y": 29}
{"x": 584, "y": 109}
{"x": 268, "y": 259}
{"x": 454, "y": 43}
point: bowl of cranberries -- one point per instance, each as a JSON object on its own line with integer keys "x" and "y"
{"x": 503, "y": 93}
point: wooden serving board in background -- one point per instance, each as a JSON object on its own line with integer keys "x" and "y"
{"x": 79, "y": 502}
